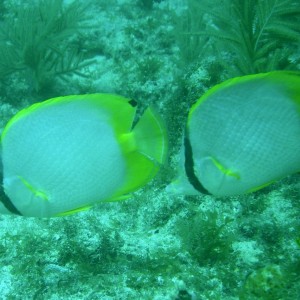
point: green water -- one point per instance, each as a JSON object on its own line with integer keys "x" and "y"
{"x": 155, "y": 245}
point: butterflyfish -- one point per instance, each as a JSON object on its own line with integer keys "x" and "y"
{"x": 242, "y": 135}
{"x": 63, "y": 155}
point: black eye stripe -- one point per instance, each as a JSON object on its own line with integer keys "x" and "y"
{"x": 189, "y": 166}
{"x": 8, "y": 204}
{"x": 3, "y": 198}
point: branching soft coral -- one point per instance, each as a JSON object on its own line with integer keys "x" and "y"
{"x": 252, "y": 35}
{"x": 38, "y": 38}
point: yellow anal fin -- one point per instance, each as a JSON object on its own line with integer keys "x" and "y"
{"x": 140, "y": 171}
{"x": 118, "y": 198}
{"x": 257, "y": 188}
{"x": 73, "y": 211}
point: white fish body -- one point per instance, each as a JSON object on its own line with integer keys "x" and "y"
{"x": 244, "y": 134}
{"x": 68, "y": 153}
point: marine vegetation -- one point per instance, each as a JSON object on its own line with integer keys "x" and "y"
{"x": 247, "y": 36}
{"x": 42, "y": 41}
{"x": 207, "y": 236}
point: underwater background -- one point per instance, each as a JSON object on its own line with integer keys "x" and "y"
{"x": 164, "y": 53}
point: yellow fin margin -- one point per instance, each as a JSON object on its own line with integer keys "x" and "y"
{"x": 289, "y": 81}
{"x": 73, "y": 211}
{"x": 119, "y": 109}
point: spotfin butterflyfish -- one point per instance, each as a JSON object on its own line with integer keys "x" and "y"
{"x": 63, "y": 155}
{"x": 242, "y": 135}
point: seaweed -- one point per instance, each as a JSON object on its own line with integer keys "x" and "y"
{"x": 247, "y": 36}
{"x": 41, "y": 39}
{"x": 207, "y": 237}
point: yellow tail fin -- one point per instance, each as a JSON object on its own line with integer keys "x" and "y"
{"x": 145, "y": 149}
{"x": 151, "y": 136}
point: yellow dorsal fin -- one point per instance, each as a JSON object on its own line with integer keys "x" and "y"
{"x": 289, "y": 81}
{"x": 121, "y": 111}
